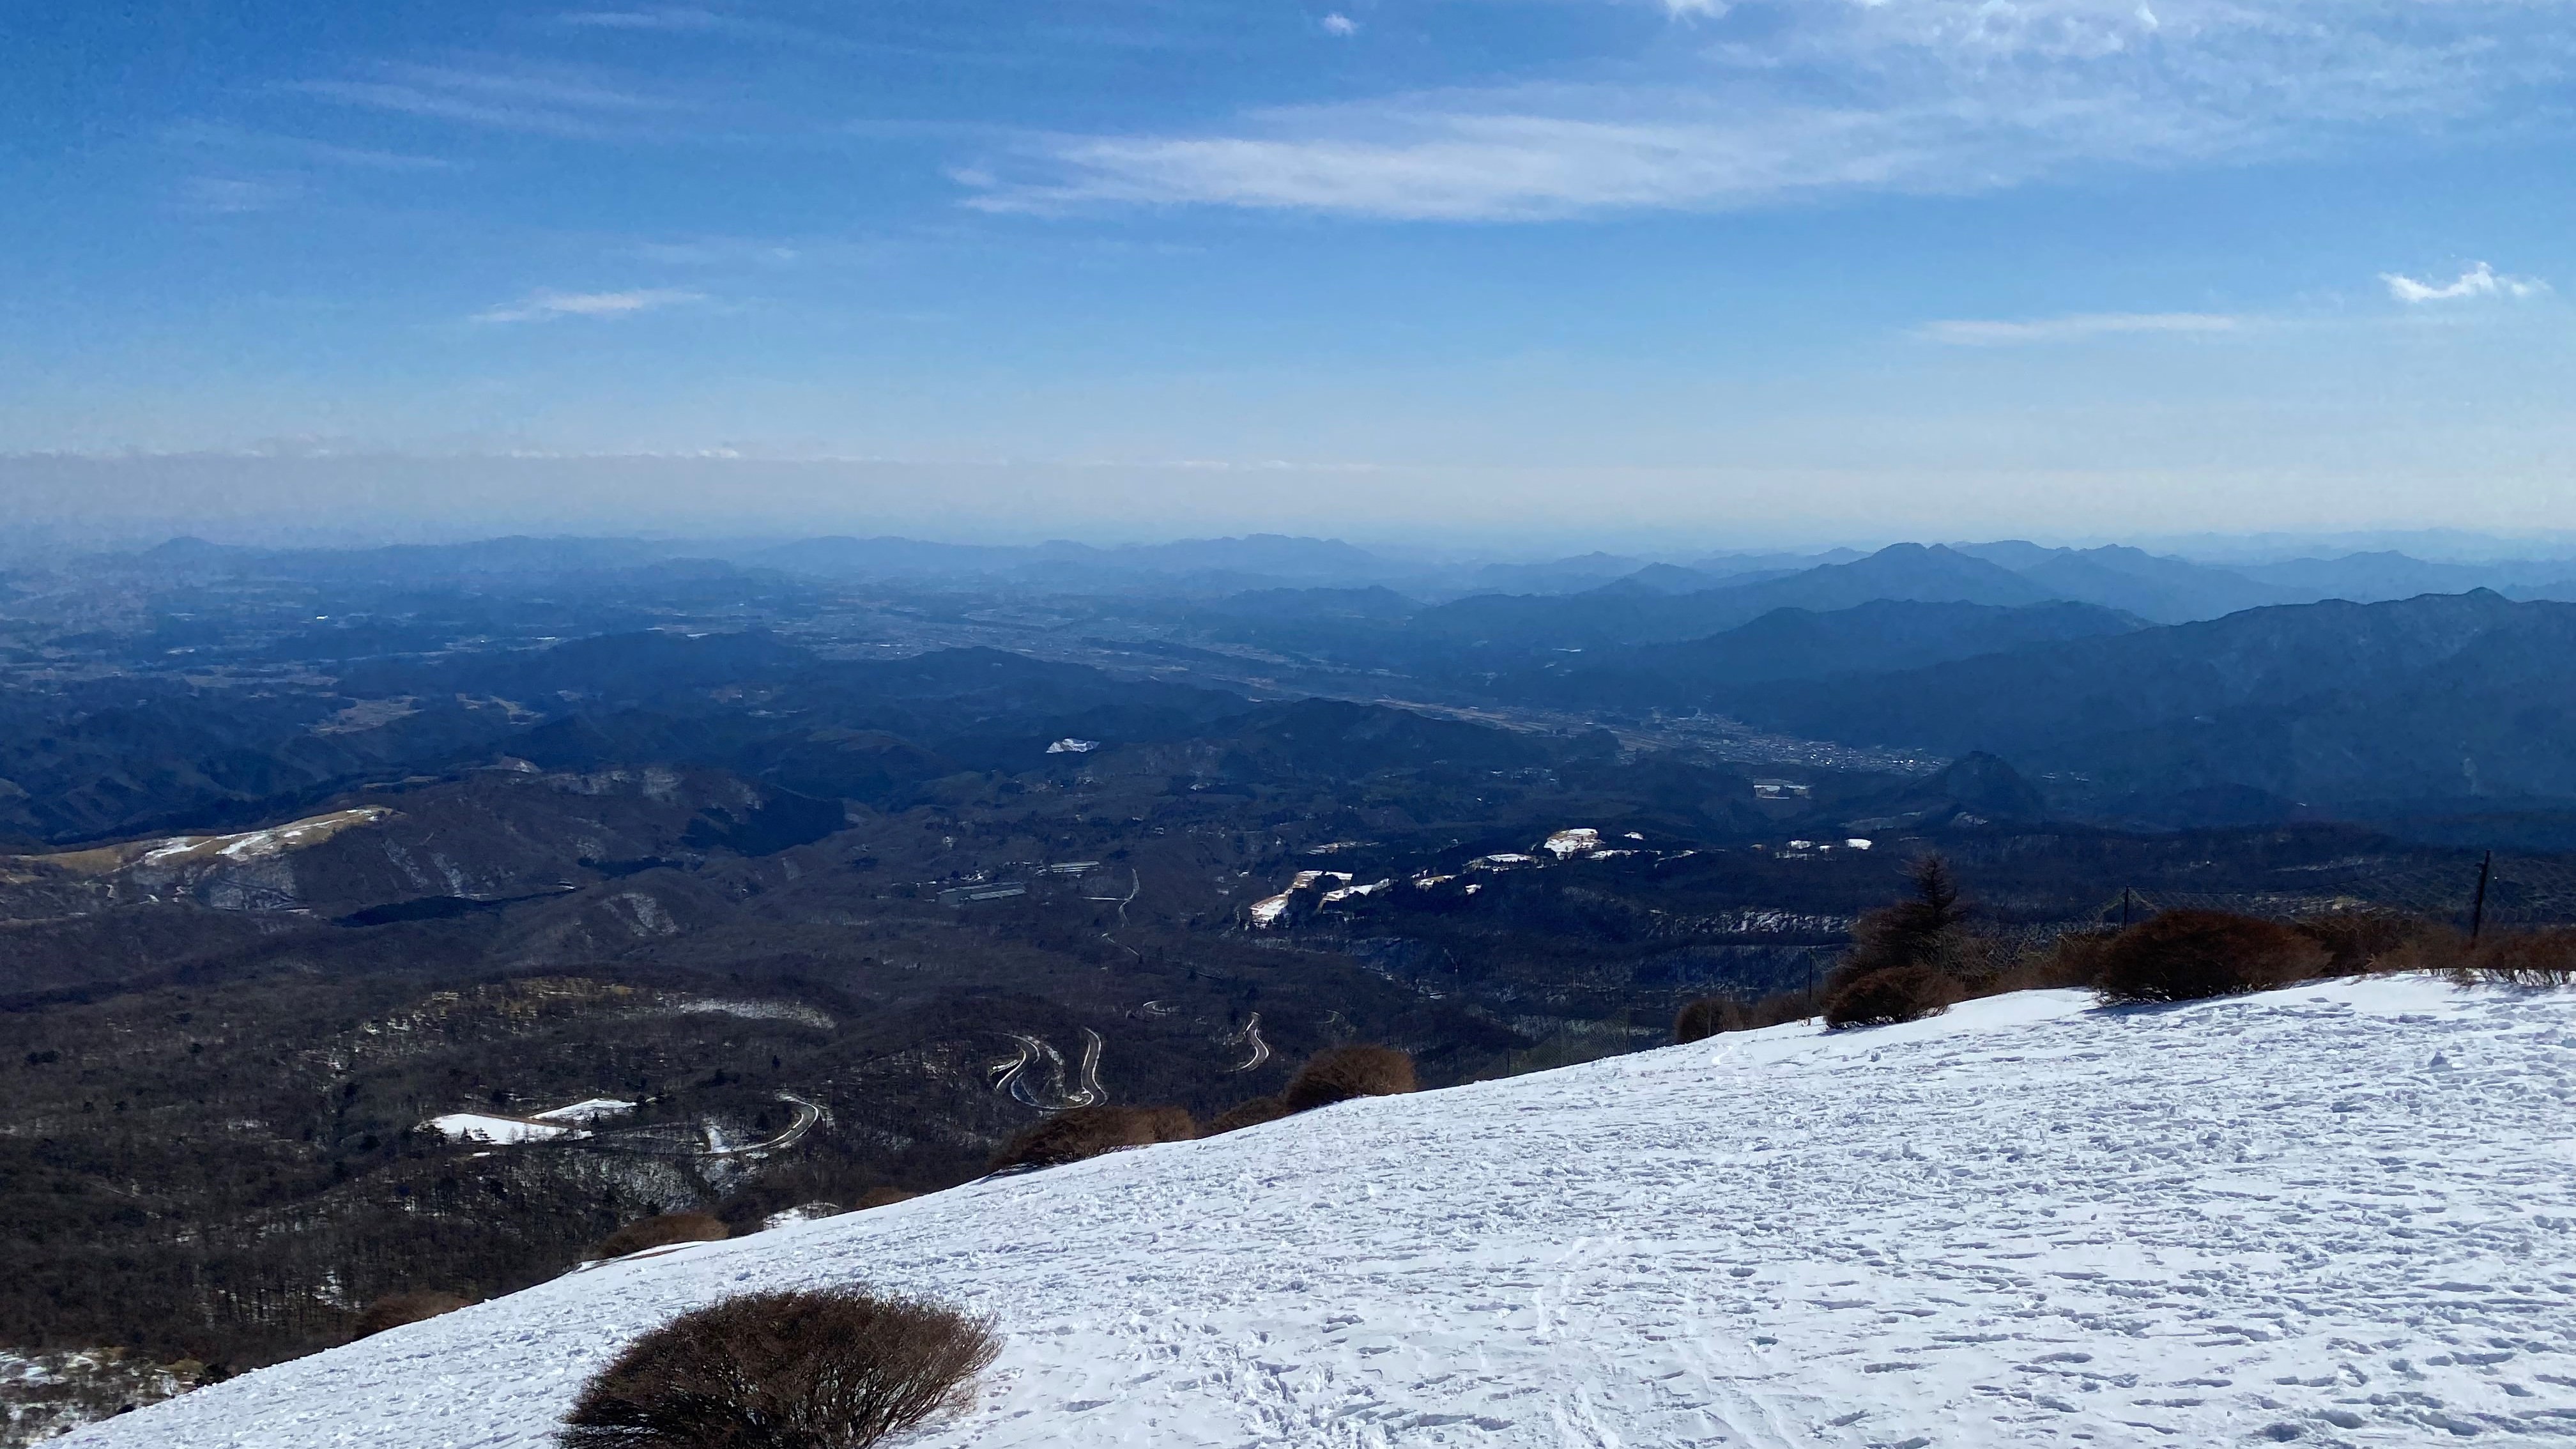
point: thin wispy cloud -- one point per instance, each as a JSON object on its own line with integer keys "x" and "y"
{"x": 236, "y": 195}
{"x": 1340, "y": 24}
{"x": 718, "y": 252}
{"x": 1942, "y": 97}
{"x": 2074, "y": 328}
{"x": 2480, "y": 280}
{"x": 1536, "y": 155}
{"x": 551, "y": 102}
{"x": 298, "y": 148}
{"x": 691, "y": 20}
{"x": 672, "y": 18}
{"x": 547, "y": 306}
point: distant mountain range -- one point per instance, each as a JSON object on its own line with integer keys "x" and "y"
{"x": 2452, "y": 699}
{"x": 2122, "y": 685}
{"x": 1795, "y": 643}
{"x": 1618, "y": 595}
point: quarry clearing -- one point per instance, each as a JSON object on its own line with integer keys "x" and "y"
{"x": 179, "y": 851}
{"x": 2343, "y": 1213}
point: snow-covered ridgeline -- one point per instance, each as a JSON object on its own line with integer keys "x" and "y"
{"x": 2340, "y": 1213}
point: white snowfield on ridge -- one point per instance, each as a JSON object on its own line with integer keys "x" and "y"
{"x": 2339, "y": 1214}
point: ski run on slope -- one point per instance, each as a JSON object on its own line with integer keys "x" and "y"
{"x": 2339, "y": 1214}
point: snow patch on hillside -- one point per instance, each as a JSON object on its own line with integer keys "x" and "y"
{"x": 590, "y": 1109}
{"x": 480, "y": 1127}
{"x": 2339, "y": 1214}
{"x": 757, "y": 1011}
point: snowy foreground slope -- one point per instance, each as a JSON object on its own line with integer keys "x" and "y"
{"x": 2343, "y": 1213}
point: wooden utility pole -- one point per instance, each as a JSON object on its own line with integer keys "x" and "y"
{"x": 2478, "y": 906}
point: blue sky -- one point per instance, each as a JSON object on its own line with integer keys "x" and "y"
{"x": 1574, "y": 267}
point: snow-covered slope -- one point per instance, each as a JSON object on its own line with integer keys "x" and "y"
{"x": 2344, "y": 1213}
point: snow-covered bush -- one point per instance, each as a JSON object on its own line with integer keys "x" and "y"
{"x": 1891, "y": 995}
{"x": 1341, "y": 1073}
{"x": 660, "y": 1231}
{"x": 396, "y": 1309}
{"x": 1091, "y": 1131}
{"x": 2187, "y": 955}
{"x": 819, "y": 1369}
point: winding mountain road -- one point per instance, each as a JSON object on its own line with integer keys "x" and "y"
{"x": 807, "y": 1114}
{"x": 1012, "y": 1077}
{"x": 1249, "y": 1036}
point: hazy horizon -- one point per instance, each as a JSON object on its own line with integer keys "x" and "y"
{"x": 326, "y": 500}
{"x": 362, "y": 523}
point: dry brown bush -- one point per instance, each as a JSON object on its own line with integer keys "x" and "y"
{"x": 396, "y": 1309}
{"x": 1090, "y": 1131}
{"x": 1706, "y": 1017}
{"x": 1339, "y": 1074}
{"x": 2524, "y": 958}
{"x": 2070, "y": 960}
{"x": 877, "y": 1197}
{"x": 1248, "y": 1114}
{"x": 1782, "y": 1007}
{"x": 1893, "y": 994}
{"x": 660, "y": 1231}
{"x": 2437, "y": 948}
{"x": 827, "y": 1369}
{"x": 2189, "y": 955}
{"x": 2358, "y": 941}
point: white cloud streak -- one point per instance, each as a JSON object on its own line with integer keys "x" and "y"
{"x": 550, "y": 103}
{"x": 669, "y": 18}
{"x": 236, "y": 195}
{"x": 1340, "y": 24}
{"x": 297, "y": 148}
{"x": 2074, "y": 328}
{"x": 2480, "y": 280}
{"x": 1835, "y": 97}
{"x": 545, "y": 306}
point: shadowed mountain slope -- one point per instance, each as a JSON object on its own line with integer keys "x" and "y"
{"x": 2439, "y": 696}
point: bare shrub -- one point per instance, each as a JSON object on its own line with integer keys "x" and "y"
{"x": 1923, "y": 930}
{"x": 2070, "y": 960}
{"x": 396, "y": 1309}
{"x": 1342, "y": 1073}
{"x": 1248, "y": 1114}
{"x": 1890, "y": 995}
{"x": 826, "y": 1369}
{"x": 2189, "y": 955}
{"x": 2436, "y": 948}
{"x": 660, "y": 1231}
{"x": 1090, "y": 1131}
{"x": 881, "y": 1196}
{"x": 1706, "y": 1017}
{"x": 2358, "y": 941}
{"x": 1173, "y": 1124}
{"x": 1782, "y": 1007}
{"x": 2525, "y": 958}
